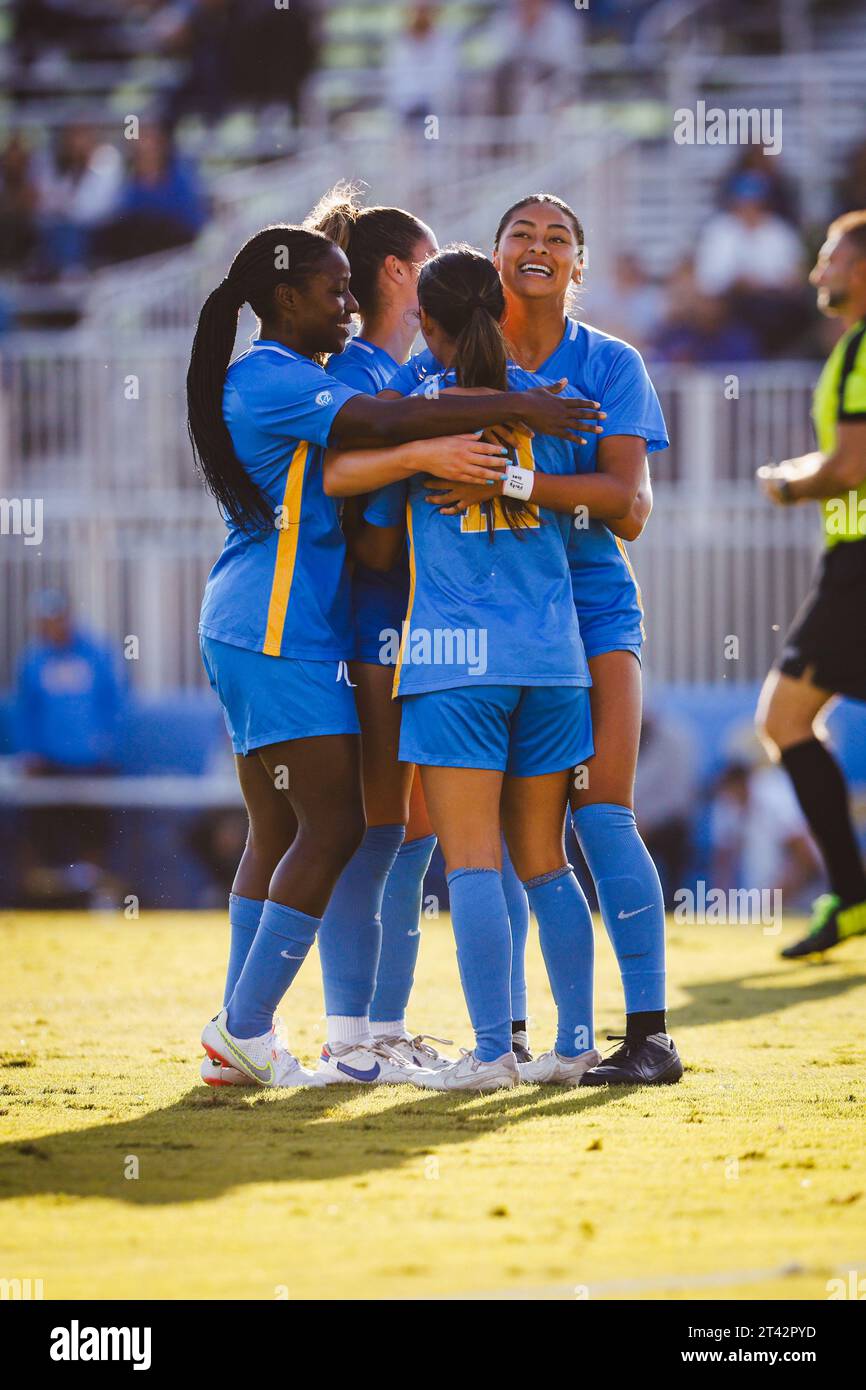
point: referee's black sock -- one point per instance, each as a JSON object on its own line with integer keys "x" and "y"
{"x": 823, "y": 796}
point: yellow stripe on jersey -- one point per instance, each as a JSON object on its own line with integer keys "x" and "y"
{"x": 475, "y": 519}
{"x": 624, "y": 553}
{"x": 287, "y": 551}
{"x": 404, "y": 638}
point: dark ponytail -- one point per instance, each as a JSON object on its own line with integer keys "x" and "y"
{"x": 281, "y": 255}
{"x": 461, "y": 290}
{"x": 367, "y": 236}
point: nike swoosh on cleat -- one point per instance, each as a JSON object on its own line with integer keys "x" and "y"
{"x": 263, "y": 1074}
{"x": 287, "y": 955}
{"x": 621, "y": 916}
{"x": 356, "y": 1074}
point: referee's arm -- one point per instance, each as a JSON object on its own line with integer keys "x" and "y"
{"x": 816, "y": 476}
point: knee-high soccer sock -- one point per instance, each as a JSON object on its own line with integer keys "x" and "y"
{"x": 568, "y": 946}
{"x": 279, "y": 949}
{"x": 351, "y": 934}
{"x": 480, "y": 920}
{"x": 823, "y": 796}
{"x": 401, "y": 936}
{"x": 244, "y": 915}
{"x": 518, "y": 915}
{"x": 632, "y": 908}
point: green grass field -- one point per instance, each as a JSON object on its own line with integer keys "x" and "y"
{"x": 747, "y": 1180}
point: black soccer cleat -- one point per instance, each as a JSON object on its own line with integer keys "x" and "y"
{"x": 650, "y": 1061}
{"x": 831, "y": 923}
{"x": 823, "y": 929}
{"x": 520, "y": 1045}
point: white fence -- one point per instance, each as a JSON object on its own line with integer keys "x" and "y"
{"x": 97, "y": 436}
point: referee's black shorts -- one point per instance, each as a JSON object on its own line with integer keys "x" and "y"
{"x": 827, "y": 639}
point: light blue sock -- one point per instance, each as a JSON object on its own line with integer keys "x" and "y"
{"x": 630, "y": 898}
{"x": 244, "y": 915}
{"x": 401, "y": 929}
{"x": 480, "y": 920}
{"x": 279, "y": 949}
{"x": 568, "y": 946}
{"x": 351, "y": 936}
{"x": 518, "y": 915}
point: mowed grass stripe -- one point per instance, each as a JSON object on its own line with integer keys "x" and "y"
{"x": 754, "y": 1163}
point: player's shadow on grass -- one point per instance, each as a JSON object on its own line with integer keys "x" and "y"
{"x": 743, "y": 997}
{"x": 207, "y": 1144}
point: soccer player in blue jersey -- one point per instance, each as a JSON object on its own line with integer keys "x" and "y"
{"x": 380, "y": 891}
{"x": 275, "y": 622}
{"x": 493, "y": 684}
{"x": 539, "y": 248}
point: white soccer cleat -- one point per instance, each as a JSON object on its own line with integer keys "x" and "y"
{"x": 471, "y": 1074}
{"x": 417, "y": 1052}
{"x": 549, "y": 1069}
{"x": 368, "y": 1064}
{"x": 214, "y": 1073}
{"x": 265, "y": 1059}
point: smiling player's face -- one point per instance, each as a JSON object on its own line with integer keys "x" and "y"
{"x": 538, "y": 255}
{"x": 320, "y": 313}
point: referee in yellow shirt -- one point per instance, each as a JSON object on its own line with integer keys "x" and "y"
{"x": 825, "y": 650}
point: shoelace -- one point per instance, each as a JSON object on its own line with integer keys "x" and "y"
{"x": 624, "y": 1050}
{"x": 420, "y": 1045}
{"x": 380, "y": 1048}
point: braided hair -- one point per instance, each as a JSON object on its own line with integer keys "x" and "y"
{"x": 278, "y": 255}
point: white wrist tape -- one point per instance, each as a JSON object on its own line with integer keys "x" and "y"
{"x": 518, "y": 482}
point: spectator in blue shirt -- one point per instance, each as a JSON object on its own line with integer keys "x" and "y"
{"x": 161, "y": 204}
{"x": 68, "y": 696}
{"x": 69, "y": 701}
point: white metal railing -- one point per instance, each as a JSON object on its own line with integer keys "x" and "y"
{"x": 129, "y": 531}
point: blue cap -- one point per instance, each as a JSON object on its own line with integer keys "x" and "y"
{"x": 49, "y": 603}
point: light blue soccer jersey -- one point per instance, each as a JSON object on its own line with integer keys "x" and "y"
{"x": 379, "y": 600}
{"x": 283, "y": 591}
{"x": 414, "y": 373}
{"x": 602, "y": 368}
{"x": 606, "y": 369}
{"x": 486, "y": 609}
{"x": 365, "y": 366}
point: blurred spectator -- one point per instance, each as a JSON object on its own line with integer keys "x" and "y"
{"x": 851, "y": 191}
{"x": 540, "y": 44}
{"x": 79, "y": 184}
{"x": 755, "y": 259}
{"x": 161, "y": 204}
{"x": 699, "y": 328}
{"x": 19, "y": 199}
{"x": 68, "y": 696}
{"x": 781, "y": 192}
{"x": 243, "y": 53}
{"x": 758, "y": 835}
{"x": 631, "y": 306}
{"x": 421, "y": 66}
{"x": 68, "y": 706}
{"x": 748, "y": 248}
{"x": 665, "y": 797}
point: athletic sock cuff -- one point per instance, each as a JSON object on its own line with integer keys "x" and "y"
{"x": 602, "y": 810}
{"x": 245, "y": 912}
{"x": 383, "y": 837}
{"x": 425, "y": 845}
{"x": 551, "y": 877}
{"x": 462, "y": 873}
{"x": 288, "y": 922}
